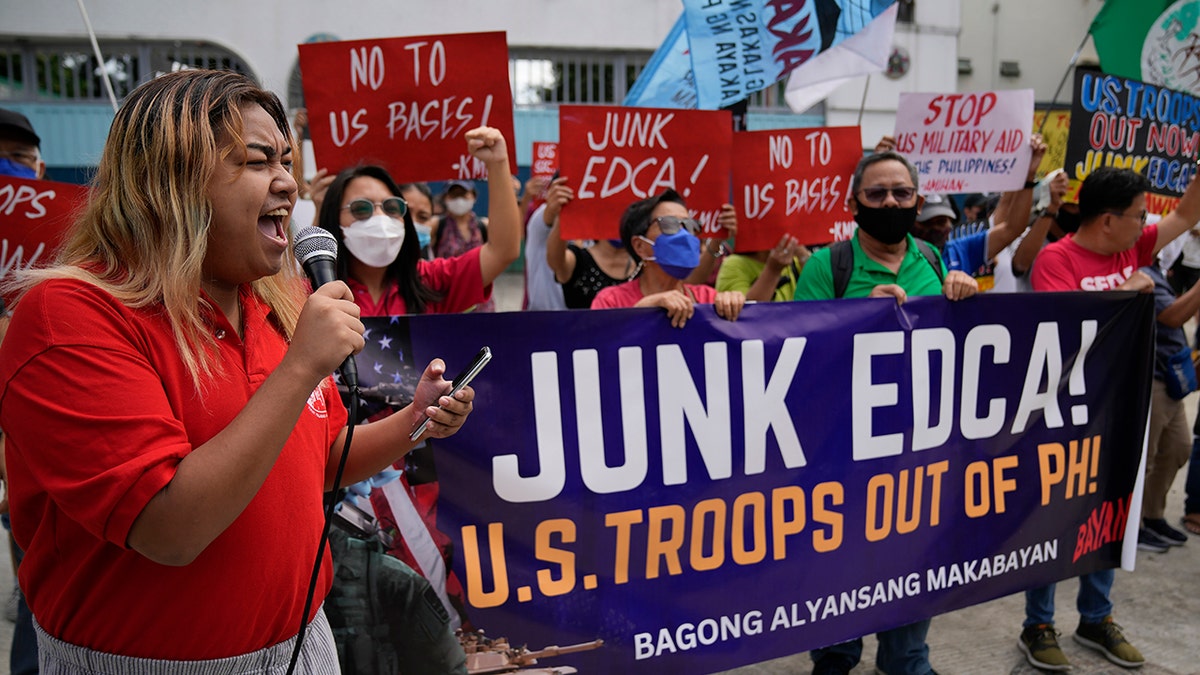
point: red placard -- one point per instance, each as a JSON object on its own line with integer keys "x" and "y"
{"x": 405, "y": 103}
{"x": 794, "y": 181}
{"x": 34, "y": 217}
{"x": 613, "y": 156}
{"x": 545, "y": 160}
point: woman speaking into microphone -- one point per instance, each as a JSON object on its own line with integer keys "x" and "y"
{"x": 166, "y": 392}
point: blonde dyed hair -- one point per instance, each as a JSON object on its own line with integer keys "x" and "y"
{"x": 143, "y": 234}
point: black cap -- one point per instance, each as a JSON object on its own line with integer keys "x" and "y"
{"x": 16, "y": 125}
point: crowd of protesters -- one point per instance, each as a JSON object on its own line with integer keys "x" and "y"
{"x": 410, "y": 249}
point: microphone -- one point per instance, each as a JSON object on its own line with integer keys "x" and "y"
{"x": 316, "y": 251}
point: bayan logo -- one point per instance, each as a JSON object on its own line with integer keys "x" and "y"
{"x": 1105, "y": 525}
{"x": 316, "y": 400}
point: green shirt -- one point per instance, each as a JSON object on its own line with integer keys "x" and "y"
{"x": 739, "y": 272}
{"x": 916, "y": 275}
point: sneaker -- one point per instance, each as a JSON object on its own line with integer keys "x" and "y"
{"x": 1151, "y": 542}
{"x": 1106, "y": 637}
{"x": 1040, "y": 644}
{"x": 1172, "y": 536}
{"x": 833, "y": 664}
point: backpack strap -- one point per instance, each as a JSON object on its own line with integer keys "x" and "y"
{"x": 931, "y": 256}
{"x": 841, "y": 264}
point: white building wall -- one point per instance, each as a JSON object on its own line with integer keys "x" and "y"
{"x": 1039, "y": 35}
{"x": 265, "y": 32}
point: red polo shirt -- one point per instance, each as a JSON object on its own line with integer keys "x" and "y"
{"x": 99, "y": 409}
{"x": 460, "y": 278}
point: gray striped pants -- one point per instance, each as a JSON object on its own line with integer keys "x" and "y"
{"x": 318, "y": 656}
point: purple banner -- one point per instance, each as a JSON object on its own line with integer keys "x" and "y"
{"x": 731, "y": 492}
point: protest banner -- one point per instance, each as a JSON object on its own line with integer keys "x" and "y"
{"x": 545, "y": 160}
{"x": 34, "y": 217}
{"x": 1120, "y": 122}
{"x": 614, "y": 156}
{"x": 976, "y": 142}
{"x": 1054, "y": 125}
{"x": 794, "y": 181}
{"x": 405, "y": 103}
{"x": 735, "y": 491}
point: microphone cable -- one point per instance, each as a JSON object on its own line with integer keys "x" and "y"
{"x": 329, "y": 509}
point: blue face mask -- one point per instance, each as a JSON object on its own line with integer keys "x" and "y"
{"x": 424, "y": 234}
{"x": 677, "y": 254}
{"x": 15, "y": 169}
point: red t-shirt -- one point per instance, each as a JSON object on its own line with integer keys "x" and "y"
{"x": 629, "y": 294}
{"x": 99, "y": 410}
{"x": 460, "y": 278}
{"x": 1067, "y": 266}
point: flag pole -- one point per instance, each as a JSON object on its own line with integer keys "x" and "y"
{"x": 863, "y": 105}
{"x": 112, "y": 96}
{"x": 1070, "y": 65}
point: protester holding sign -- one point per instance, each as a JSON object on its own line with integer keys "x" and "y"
{"x": 1112, "y": 242}
{"x": 581, "y": 269}
{"x": 661, "y": 237}
{"x": 203, "y": 464}
{"x": 884, "y": 261}
{"x": 764, "y": 276}
{"x": 1053, "y": 220}
{"x": 887, "y": 260}
{"x": 379, "y": 251}
{"x": 974, "y": 251}
{"x": 542, "y": 290}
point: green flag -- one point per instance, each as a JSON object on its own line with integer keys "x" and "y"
{"x": 1155, "y": 41}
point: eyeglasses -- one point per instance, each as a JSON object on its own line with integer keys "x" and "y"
{"x": 672, "y": 224}
{"x": 1140, "y": 216}
{"x": 363, "y": 209}
{"x": 877, "y": 195}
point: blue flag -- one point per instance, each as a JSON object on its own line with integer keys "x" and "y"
{"x": 737, "y": 47}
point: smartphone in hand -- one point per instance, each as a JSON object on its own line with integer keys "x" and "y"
{"x": 461, "y": 380}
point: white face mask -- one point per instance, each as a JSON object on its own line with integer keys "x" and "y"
{"x": 460, "y": 206}
{"x": 375, "y": 242}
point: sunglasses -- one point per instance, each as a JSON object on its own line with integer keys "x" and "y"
{"x": 363, "y": 209}
{"x": 877, "y": 195}
{"x": 672, "y": 224}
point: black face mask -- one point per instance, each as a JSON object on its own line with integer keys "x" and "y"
{"x": 888, "y": 225}
{"x": 1067, "y": 222}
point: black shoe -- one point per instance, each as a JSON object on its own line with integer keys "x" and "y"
{"x": 1151, "y": 542}
{"x": 1172, "y": 536}
{"x": 833, "y": 664}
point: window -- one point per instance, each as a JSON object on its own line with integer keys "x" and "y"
{"x": 550, "y": 77}
{"x": 68, "y": 70}
{"x": 547, "y": 78}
